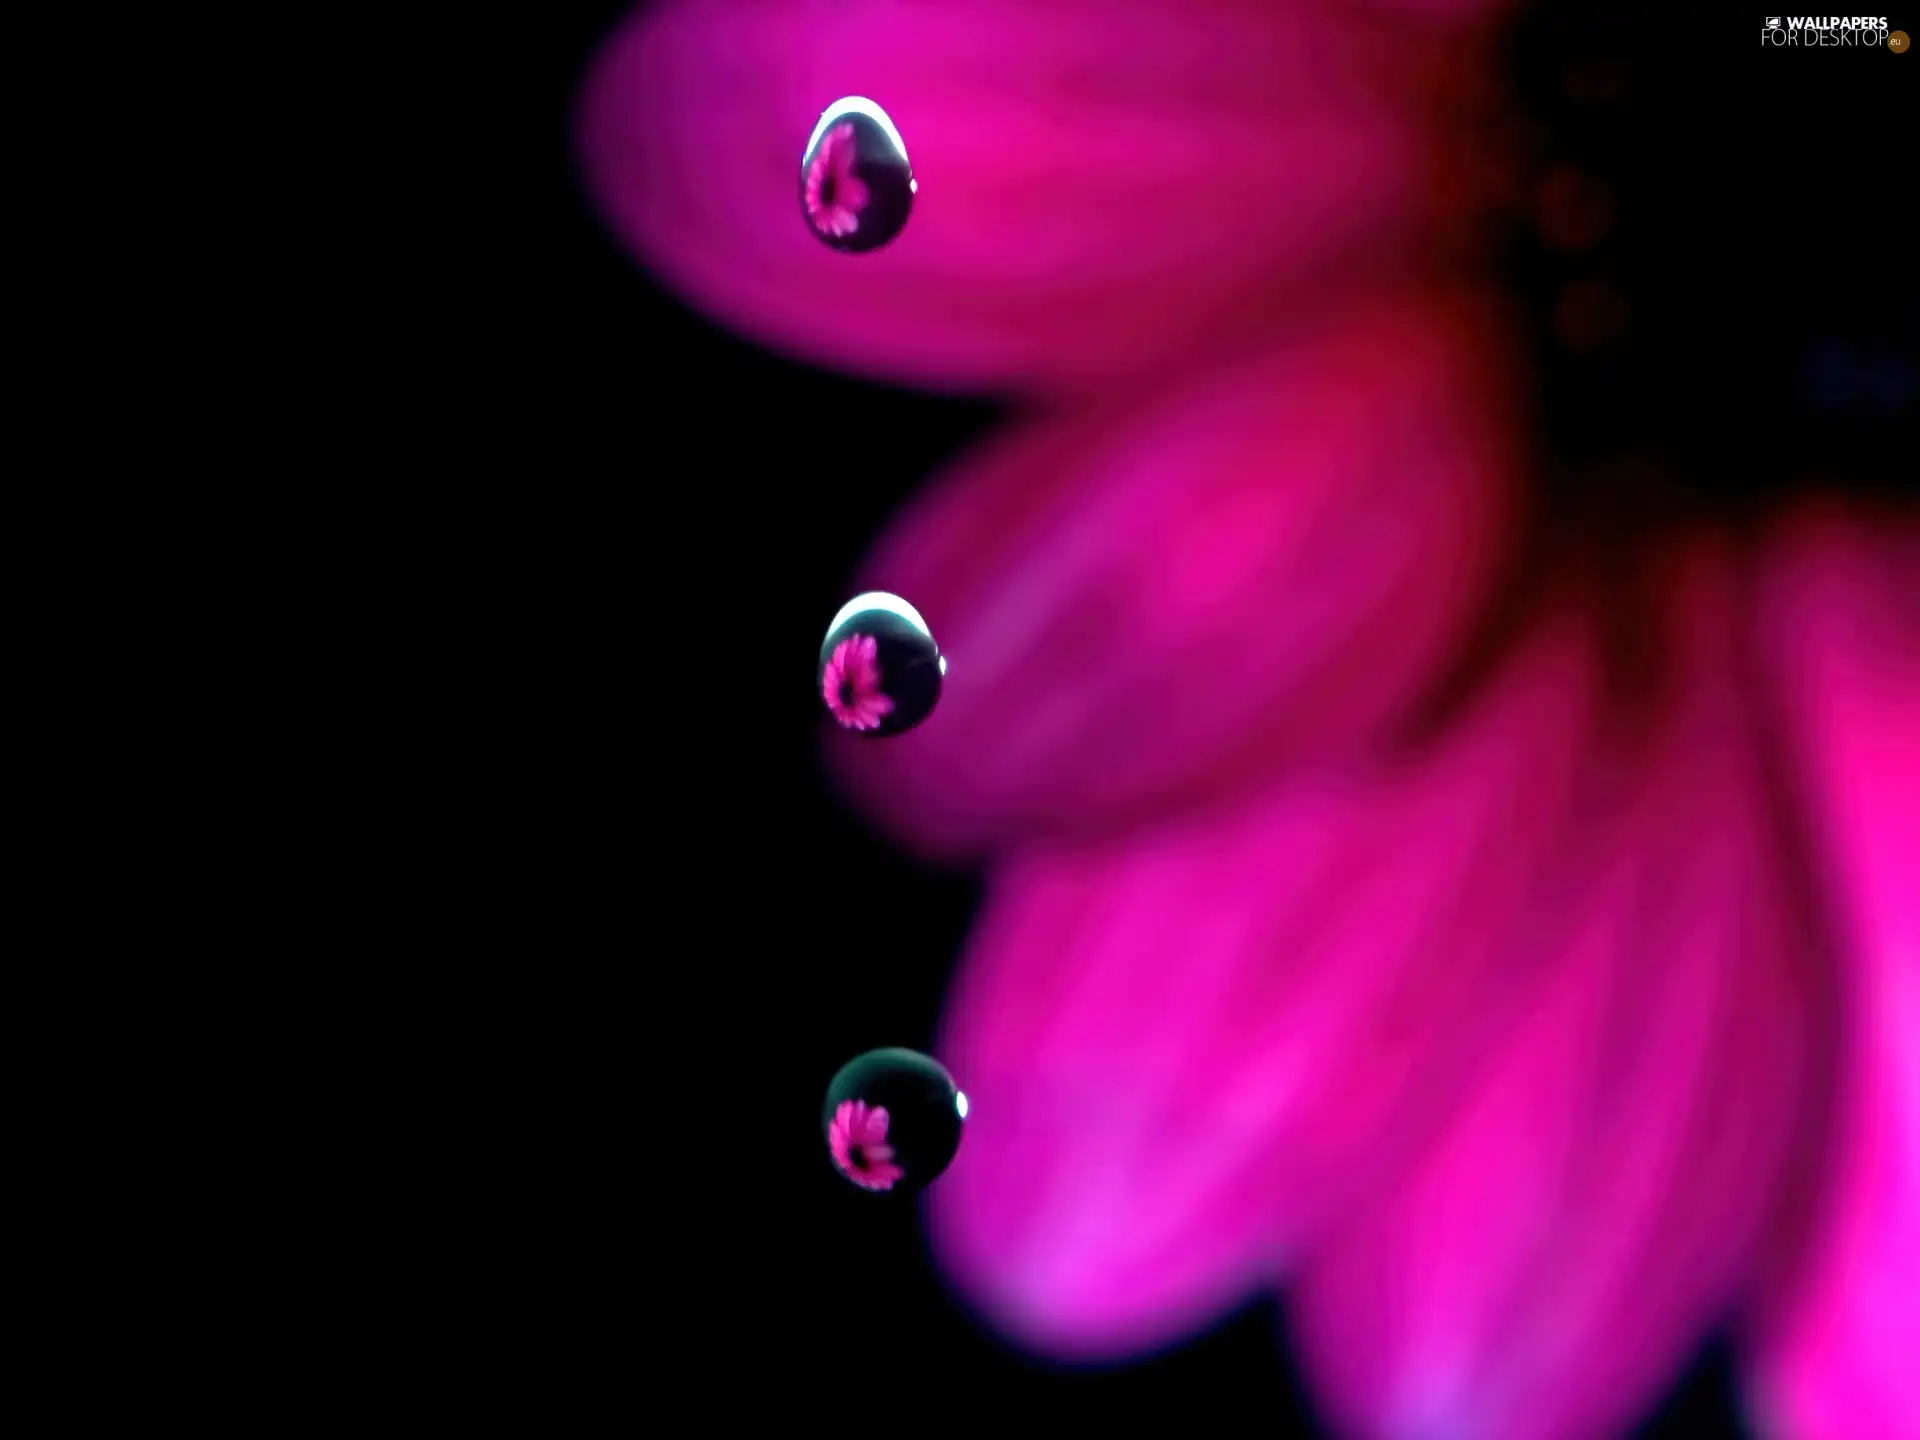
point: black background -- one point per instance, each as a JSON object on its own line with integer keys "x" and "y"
{"x": 652, "y": 1006}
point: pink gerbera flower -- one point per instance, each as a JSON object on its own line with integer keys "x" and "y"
{"x": 835, "y": 195}
{"x": 851, "y": 684}
{"x": 857, "y": 1137}
{"x": 1485, "y": 921}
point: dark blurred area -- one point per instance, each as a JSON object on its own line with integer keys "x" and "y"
{"x": 650, "y": 993}
{"x": 1717, "y": 250}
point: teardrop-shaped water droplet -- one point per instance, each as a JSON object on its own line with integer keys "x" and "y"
{"x": 856, "y": 187}
{"x": 879, "y": 673}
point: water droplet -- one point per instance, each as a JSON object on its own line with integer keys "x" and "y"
{"x": 880, "y": 672}
{"x": 893, "y": 1120}
{"x": 856, "y": 187}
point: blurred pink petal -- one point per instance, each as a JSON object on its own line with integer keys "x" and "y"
{"x": 1841, "y": 625}
{"x": 1186, "y": 1048}
{"x": 1450, "y": 12}
{"x": 1552, "y": 1262}
{"x": 1186, "y": 592}
{"x": 1103, "y": 184}
{"x": 1513, "y": 1036}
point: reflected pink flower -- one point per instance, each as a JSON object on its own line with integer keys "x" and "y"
{"x": 850, "y": 684}
{"x": 857, "y": 1139}
{"x": 835, "y": 196}
{"x": 1491, "y": 992}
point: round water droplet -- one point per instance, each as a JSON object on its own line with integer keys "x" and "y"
{"x": 893, "y": 1120}
{"x": 880, "y": 672}
{"x": 856, "y": 187}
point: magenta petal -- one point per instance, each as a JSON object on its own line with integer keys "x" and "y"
{"x": 1103, "y": 184}
{"x": 1553, "y": 1259}
{"x": 1841, "y": 626}
{"x": 1191, "y": 591}
{"x": 1447, "y": 12}
{"x": 1185, "y": 1049}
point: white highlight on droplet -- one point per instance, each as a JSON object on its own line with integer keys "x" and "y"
{"x": 943, "y": 664}
{"x": 960, "y": 1103}
{"x": 857, "y": 105}
{"x": 881, "y": 600}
